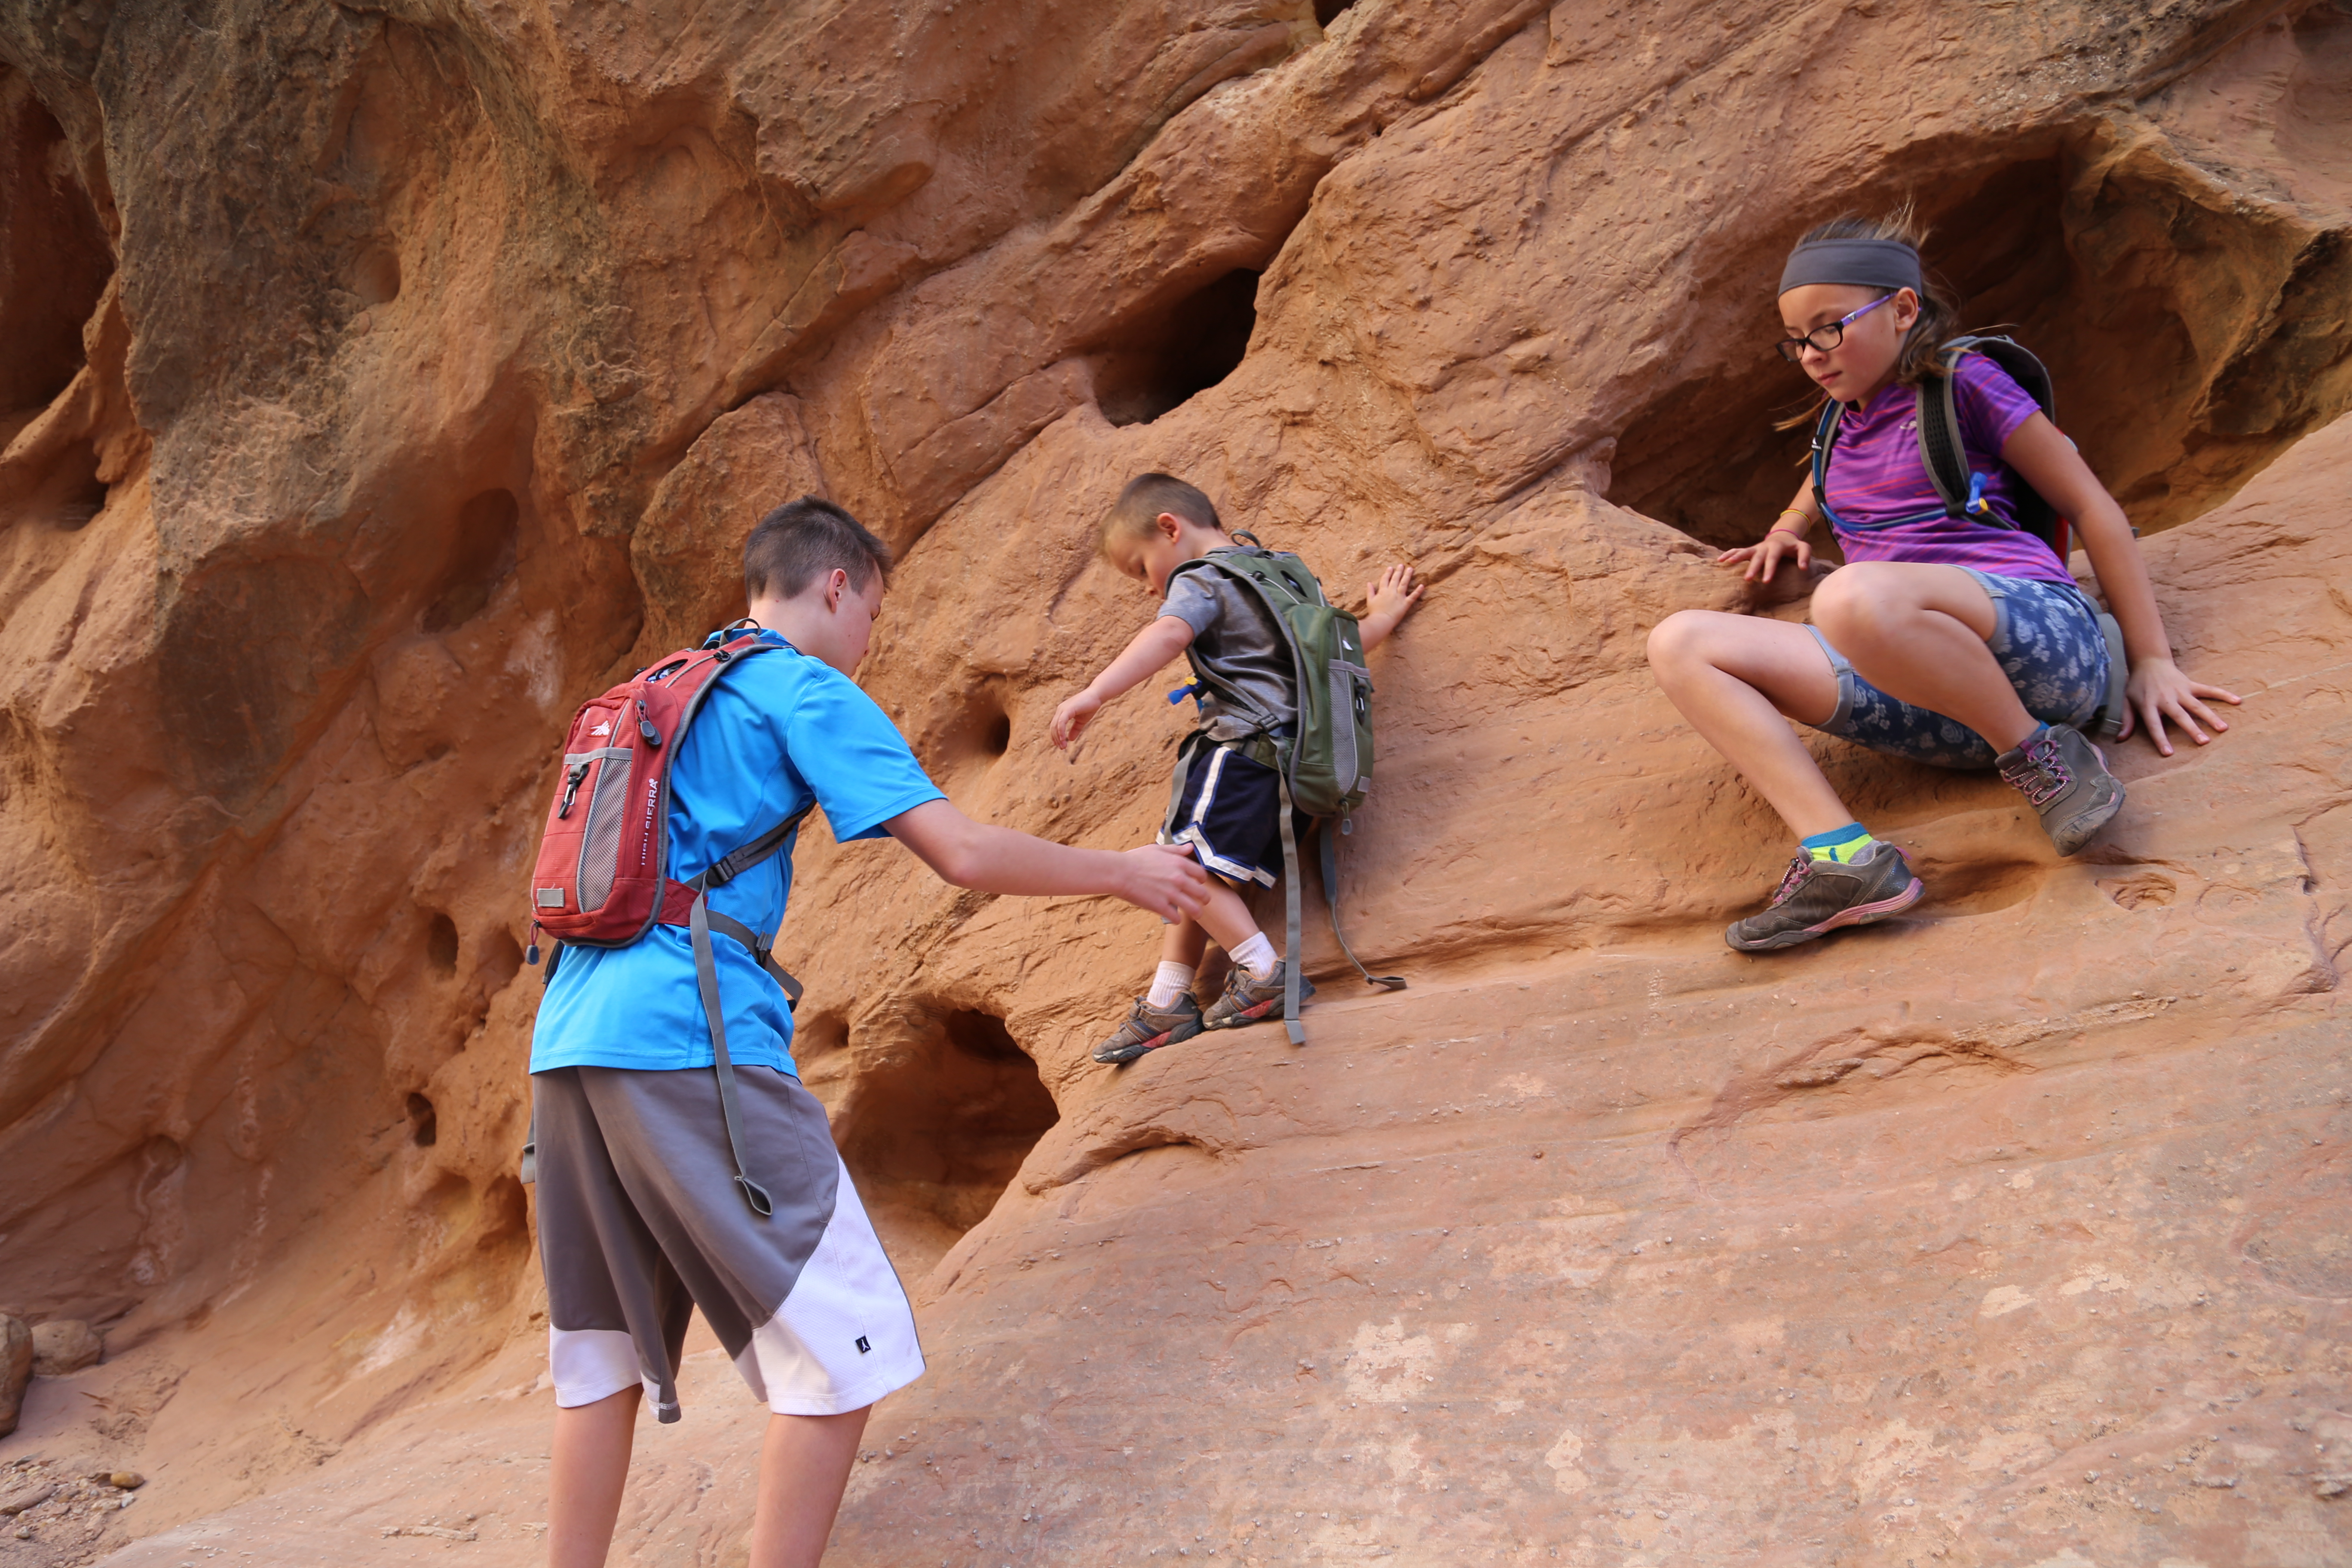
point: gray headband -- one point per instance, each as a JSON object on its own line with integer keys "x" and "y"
{"x": 1864, "y": 263}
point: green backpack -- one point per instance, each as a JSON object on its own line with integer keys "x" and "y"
{"x": 1326, "y": 767}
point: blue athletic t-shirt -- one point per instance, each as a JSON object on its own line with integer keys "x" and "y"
{"x": 776, "y": 731}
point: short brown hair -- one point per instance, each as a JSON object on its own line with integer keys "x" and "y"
{"x": 803, "y": 540}
{"x": 1145, "y": 498}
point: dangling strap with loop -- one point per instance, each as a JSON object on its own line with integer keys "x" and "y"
{"x": 699, "y": 922}
{"x": 1330, "y": 845}
{"x": 706, "y": 976}
{"x": 1290, "y": 914}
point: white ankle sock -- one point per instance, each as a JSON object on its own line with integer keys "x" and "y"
{"x": 1168, "y": 983}
{"x": 1256, "y": 955}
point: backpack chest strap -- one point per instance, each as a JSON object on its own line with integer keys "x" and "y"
{"x": 684, "y": 903}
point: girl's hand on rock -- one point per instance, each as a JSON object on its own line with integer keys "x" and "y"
{"x": 2158, "y": 688}
{"x": 1070, "y": 720}
{"x": 1763, "y": 559}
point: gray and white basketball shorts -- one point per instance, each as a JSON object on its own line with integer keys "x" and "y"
{"x": 640, "y": 1222}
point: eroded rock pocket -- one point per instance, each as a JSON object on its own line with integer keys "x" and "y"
{"x": 933, "y": 1129}
{"x": 1166, "y": 357}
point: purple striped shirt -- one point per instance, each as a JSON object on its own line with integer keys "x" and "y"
{"x": 1885, "y": 507}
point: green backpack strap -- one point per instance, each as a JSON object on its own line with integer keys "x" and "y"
{"x": 1330, "y": 845}
{"x": 1290, "y": 914}
{"x": 1291, "y": 921}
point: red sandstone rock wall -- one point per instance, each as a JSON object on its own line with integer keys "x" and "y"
{"x": 379, "y": 383}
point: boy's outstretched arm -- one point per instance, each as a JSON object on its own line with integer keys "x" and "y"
{"x": 1151, "y": 649}
{"x": 1387, "y": 602}
{"x": 1168, "y": 882}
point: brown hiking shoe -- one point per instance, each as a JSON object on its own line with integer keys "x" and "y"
{"x": 1148, "y": 1028}
{"x": 1818, "y": 896}
{"x": 1248, "y": 1001}
{"x": 2065, "y": 778}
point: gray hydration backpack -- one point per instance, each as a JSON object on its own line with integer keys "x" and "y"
{"x": 1326, "y": 765}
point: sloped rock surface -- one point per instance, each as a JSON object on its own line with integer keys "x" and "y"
{"x": 392, "y": 378}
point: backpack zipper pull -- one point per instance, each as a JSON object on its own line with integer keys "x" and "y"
{"x": 530, "y": 953}
{"x": 645, "y": 725}
{"x": 572, "y": 781}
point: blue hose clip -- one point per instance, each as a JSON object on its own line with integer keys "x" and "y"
{"x": 1190, "y": 689}
{"x": 1977, "y": 504}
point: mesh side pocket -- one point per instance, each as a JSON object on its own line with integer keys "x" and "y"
{"x": 600, "y": 842}
{"x": 1343, "y": 726}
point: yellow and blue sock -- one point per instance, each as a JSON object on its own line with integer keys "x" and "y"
{"x": 1840, "y": 844}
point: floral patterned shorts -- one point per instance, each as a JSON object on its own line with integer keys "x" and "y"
{"x": 2047, "y": 638}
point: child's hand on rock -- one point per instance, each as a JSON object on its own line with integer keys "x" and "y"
{"x": 1070, "y": 720}
{"x": 2157, "y": 690}
{"x": 1763, "y": 560}
{"x": 1388, "y": 600}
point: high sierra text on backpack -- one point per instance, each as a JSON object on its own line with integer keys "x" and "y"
{"x": 601, "y": 878}
{"x": 1962, "y": 491}
{"x": 1325, "y": 767}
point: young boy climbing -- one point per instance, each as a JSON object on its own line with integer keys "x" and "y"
{"x": 641, "y": 1218}
{"x": 1957, "y": 641}
{"x": 1228, "y": 806}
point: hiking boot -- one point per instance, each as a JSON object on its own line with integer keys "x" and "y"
{"x": 1247, "y": 1001}
{"x": 1148, "y": 1028}
{"x": 1818, "y": 896}
{"x": 2066, "y": 778}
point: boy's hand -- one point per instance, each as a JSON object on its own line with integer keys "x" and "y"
{"x": 1166, "y": 881}
{"x": 1395, "y": 594}
{"x": 1387, "y": 601}
{"x": 1071, "y": 718}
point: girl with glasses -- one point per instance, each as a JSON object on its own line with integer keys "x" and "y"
{"x": 1959, "y": 641}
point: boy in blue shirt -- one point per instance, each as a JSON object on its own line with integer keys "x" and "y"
{"x": 640, "y": 1218}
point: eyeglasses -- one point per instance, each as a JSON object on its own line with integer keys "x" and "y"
{"x": 1823, "y": 340}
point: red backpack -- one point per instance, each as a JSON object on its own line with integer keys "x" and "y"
{"x": 602, "y": 880}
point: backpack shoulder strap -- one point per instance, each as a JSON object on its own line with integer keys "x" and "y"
{"x": 1825, "y": 433}
{"x": 1255, "y": 580}
{"x": 1938, "y": 424}
{"x": 1941, "y": 450}
{"x": 2021, "y": 365}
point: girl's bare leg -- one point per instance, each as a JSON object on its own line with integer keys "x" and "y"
{"x": 587, "y": 1467}
{"x": 1918, "y": 633}
{"x": 1734, "y": 678}
{"x": 804, "y": 1465}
